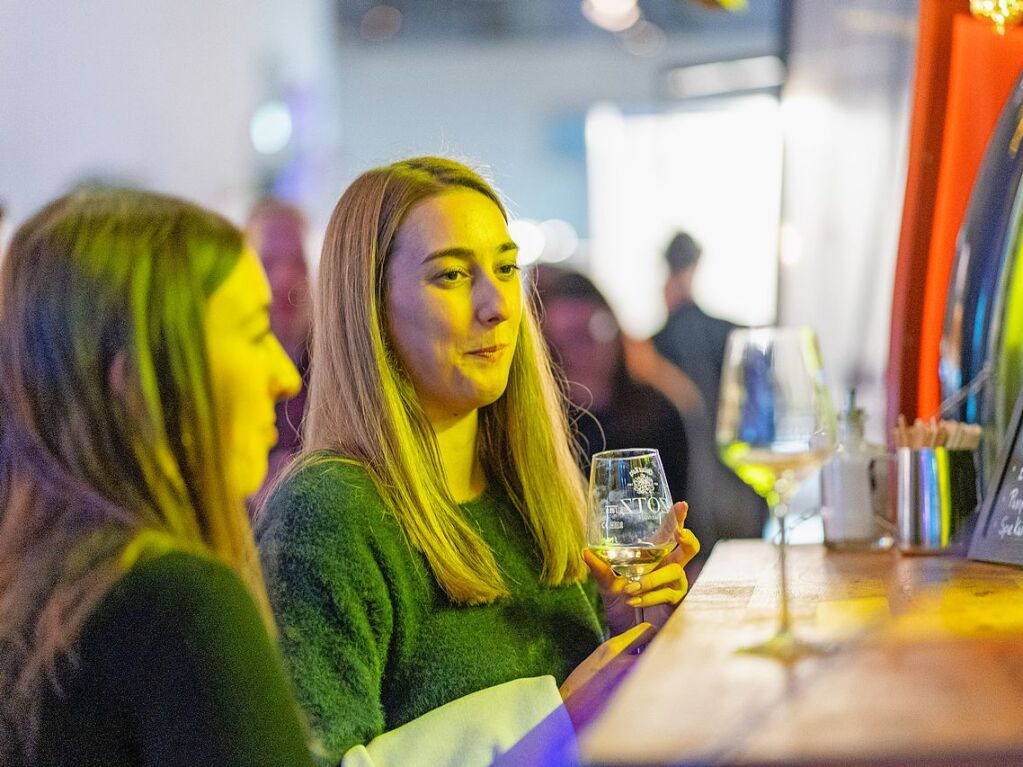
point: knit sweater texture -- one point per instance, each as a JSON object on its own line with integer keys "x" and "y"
{"x": 371, "y": 639}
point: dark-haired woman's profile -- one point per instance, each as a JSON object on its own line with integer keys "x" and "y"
{"x": 136, "y": 406}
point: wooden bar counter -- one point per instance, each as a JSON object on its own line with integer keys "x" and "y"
{"x": 928, "y": 667}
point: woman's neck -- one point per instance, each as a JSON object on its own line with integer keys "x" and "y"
{"x": 456, "y": 440}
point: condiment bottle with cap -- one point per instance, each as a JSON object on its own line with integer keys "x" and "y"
{"x": 849, "y": 504}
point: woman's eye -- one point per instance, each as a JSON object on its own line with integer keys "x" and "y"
{"x": 451, "y": 275}
{"x": 507, "y": 270}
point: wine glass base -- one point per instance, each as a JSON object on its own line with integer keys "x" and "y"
{"x": 786, "y": 647}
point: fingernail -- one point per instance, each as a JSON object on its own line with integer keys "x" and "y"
{"x": 631, "y": 588}
{"x": 635, "y": 602}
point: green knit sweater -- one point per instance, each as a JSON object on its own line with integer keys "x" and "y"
{"x": 371, "y": 639}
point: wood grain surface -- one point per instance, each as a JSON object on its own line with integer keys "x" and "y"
{"x": 927, "y": 666}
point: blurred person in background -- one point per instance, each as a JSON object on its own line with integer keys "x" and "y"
{"x": 610, "y": 409}
{"x": 277, "y": 231}
{"x": 685, "y": 363}
{"x": 691, "y": 339}
{"x": 428, "y": 542}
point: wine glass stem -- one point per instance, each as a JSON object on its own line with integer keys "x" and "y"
{"x": 784, "y": 620}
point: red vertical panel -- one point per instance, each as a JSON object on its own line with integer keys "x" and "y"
{"x": 930, "y": 87}
{"x": 984, "y": 70}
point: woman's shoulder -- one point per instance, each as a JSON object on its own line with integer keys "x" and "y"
{"x": 326, "y": 498}
{"x": 180, "y": 632}
{"x": 326, "y": 471}
{"x": 158, "y": 590}
{"x": 322, "y": 482}
{"x": 177, "y": 574}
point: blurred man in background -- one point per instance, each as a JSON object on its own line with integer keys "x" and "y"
{"x": 693, "y": 342}
{"x": 691, "y": 338}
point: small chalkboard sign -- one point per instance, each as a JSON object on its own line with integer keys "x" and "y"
{"x": 998, "y": 536}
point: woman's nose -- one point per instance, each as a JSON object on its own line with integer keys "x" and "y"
{"x": 492, "y": 303}
{"x": 286, "y": 381}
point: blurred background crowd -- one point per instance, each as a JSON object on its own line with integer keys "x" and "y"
{"x": 770, "y": 132}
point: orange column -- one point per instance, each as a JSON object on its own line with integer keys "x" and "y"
{"x": 984, "y": 70}
{"x": 934, "y": 39}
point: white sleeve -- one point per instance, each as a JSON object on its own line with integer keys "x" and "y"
{"x": 472, "y": 731}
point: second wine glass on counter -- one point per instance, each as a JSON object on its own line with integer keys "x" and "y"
{"x": 630, "y": 525}
{"x": 776, "y": 426}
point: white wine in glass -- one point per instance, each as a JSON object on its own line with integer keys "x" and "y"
{"x": 632, "y": 562}
{"x": 629, "y": 526}
{"x": 776, "y": 426}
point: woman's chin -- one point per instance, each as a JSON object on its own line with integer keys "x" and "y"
{"x": 246, "y": 484}
{"x": 489, "y": 396}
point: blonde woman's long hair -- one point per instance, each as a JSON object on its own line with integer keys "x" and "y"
{"x": 363, "y": 406}
{"x": 108, "y": 428}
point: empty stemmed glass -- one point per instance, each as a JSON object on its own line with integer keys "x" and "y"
{"x": 630, "y": 525}
{"x": 776, "y": 426}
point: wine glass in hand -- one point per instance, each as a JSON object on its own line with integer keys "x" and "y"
{"x": 630, "y": 525}
{"x": 776, "y": 426}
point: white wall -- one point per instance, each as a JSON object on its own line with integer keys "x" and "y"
{"x": 160, "y": 93}
{"x": 518, "y": 107}
{"x": 149, "y": 92}
{"x": 713, "y": 170}
{"x": 846, "y": 110}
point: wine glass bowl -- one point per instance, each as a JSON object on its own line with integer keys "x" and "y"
{"x": 629, "y": 526}
{"x": 776, "y": 426}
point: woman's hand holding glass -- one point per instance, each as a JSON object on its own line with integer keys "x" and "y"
{"x": 661, "y": 589}
{"x": 637, "y": 545}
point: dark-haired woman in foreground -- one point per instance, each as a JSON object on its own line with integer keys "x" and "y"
{"x": 136, "y": 412}
{"x": 427, "y": 544}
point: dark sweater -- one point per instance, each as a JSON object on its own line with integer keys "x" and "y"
{"x": 174, "y": 668}
{"x": 371, "y": 639}
{"x": 695, "y": 342}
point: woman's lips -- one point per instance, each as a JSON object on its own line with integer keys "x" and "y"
{"x": 488, "y": 352}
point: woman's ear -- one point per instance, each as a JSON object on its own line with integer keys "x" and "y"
{"x": 116, "y": 374}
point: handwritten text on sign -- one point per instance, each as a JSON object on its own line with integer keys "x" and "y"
{"x": 1009, "y": 526}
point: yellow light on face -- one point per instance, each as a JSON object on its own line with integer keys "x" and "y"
{"x": 249, "y": 370}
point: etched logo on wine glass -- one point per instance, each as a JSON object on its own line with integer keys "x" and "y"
{"x": 643, "y": 480}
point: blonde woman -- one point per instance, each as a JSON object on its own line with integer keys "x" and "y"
{"x": 427, "y": 543}
{"x": 136, "y": 412}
